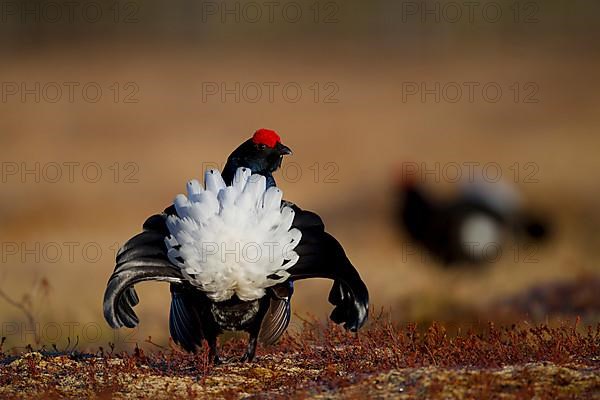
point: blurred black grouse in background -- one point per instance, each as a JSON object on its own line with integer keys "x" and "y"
{"x": 472, "y": 227}
{"x": 210, "y": 292}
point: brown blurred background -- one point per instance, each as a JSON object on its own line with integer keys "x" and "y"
{"x": 107, "y": 108}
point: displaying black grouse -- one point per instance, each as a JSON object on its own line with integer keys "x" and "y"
{"x": 470, "y": 228}
{"x": 231, "y": 252}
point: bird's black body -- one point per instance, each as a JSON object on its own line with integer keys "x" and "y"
{"x": 436, "y": 224}
{"x": 195, "y": 317}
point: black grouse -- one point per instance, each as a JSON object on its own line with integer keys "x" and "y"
{"x": 471, "y": 228}
{"x": 231, "y": 252}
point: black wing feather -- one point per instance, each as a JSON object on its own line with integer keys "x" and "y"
{"x": 185, "y": 318}
{"x": 275, "y": 321}
{"x": 278, "y": 316}
{"x": 322, "y": 256}
{"x": 142, "y": 258}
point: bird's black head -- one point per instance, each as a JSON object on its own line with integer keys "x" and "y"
{"x": 262, "y": 153}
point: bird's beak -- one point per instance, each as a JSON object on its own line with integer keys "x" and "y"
{"x": 283, "y": 149}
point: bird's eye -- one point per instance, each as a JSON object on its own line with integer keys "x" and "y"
{"x": 261, "y": 146}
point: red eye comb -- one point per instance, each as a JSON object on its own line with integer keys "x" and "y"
{"x": 267, "y": 137}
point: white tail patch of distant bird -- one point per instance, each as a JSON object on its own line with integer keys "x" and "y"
{"x": 477, "y": 233}
{"x": 233, "y": 239}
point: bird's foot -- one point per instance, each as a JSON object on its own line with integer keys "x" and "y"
{"x": 218, "y": 360}
{"x": 247, "y": 358}
{"x": 237, "y": 359}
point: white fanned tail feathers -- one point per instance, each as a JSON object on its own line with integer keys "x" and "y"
{"x": 232, "y": 239}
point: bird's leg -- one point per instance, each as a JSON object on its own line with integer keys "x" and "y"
{"x": 251, "y": 349}
{"x": 254, "y": 330}
{"x": 213, "y": 353}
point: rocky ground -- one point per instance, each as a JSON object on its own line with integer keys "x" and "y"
{"x": 325, "y": 362}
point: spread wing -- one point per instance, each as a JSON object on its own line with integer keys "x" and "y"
{"x": 322, "y": 256}
{"x": 142, "y": 258}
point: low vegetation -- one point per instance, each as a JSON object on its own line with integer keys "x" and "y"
{"x": 322, "y": 360}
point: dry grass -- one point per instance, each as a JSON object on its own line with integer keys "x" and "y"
{"x": 385, "y": 360}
